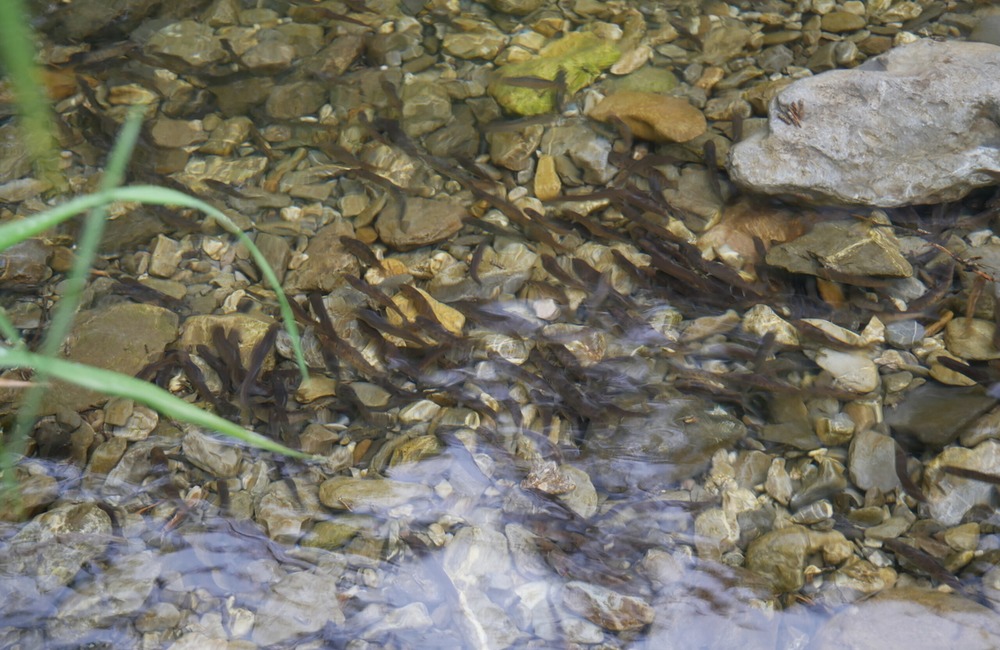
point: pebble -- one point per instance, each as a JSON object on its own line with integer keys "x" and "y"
{"x": 852, "y": 371}
{"x": 781, "y": 554}
{"x": 547, "y": 183}
{"x": 653, "y": 117}
{"x": 424, "y": 222}
{"x": 188, "y": 40}
{"x": 301, "y": 603}
{"x": 871, "y": 461}
{"x": 360, "y": 495}
{"x": 950, "y": 497}
{"x": 936, "y": 415}
{"x": 971, "y": 339}
{"x": 325, "y": 260}
{"x": 842, "y": 21}
{"x": 249, "y": 329}
{"x": 850, "y": 248}
{"x": 605, "y": 607}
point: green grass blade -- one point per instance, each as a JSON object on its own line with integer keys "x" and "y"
{"x": 165, "y": 196}
{"x": 14, "y": 232}
{"x": 8, "y": 330}
{"x": 86, "y": 250}
{"x": 17, "y": 51}
{"x": 90, "y": 236}
{"x": 119, "y": 385}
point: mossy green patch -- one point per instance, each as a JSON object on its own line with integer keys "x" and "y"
{"x": 647, "y": 79}
{"x": 581, "y": 56}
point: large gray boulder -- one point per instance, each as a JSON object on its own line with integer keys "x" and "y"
{"x": 919, "y": 124}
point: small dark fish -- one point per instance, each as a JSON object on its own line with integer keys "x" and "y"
{"x": 228, "y": 348}
{"x": 599, "y": 293}
{"x": 197, "y": 378}
{"x": 374, "y": 293}
{"x": 925, "y": 562}
{"x": 585, "y": 271}
{"x": 764, "y": 351}
{"x": 419, "y": 302}
{"x": 437, "y": 331}
{"x": 641, "y": 276}
{"x": 383, "y": 326}
{"x": 677, "y": 271}
{"x": 257, "y": 357}
{"x": 116, "y": 526}
{"x": 712, "y": 165}
{"x": 141, "y": 293}
{"x": 360, "y": 250}
{"x": 550, "y": 264}
{"x": 395, "y": 103}
{"x": 398, "y": 196}
{"x": 978, "y": 375}
{"x": 476, "y": 262}
{"x": 222, "y": 487}
{"x": 737, "y": 128}
{"x": 909, "y": 486}
{"x": 342, "y": 348}
{"x": 498, "y": 126}
{"x": 971, "y": 474}
{"x": 535, "y": 83}
{"x": 552, "y": 224}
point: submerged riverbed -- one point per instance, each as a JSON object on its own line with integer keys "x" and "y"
{"x": 565, "y": 387}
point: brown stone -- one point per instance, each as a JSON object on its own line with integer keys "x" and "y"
{"x": 653, "y": 117}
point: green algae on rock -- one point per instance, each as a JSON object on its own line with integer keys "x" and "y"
{"x": 582, "y": 56}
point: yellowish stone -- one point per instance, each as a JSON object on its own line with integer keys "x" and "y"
{"x": 547, "y": 183}
{"x": 653, "y": 117}
{"x": 449, "y": 318}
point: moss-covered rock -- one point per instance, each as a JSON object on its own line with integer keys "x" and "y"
{"x": 580, "y": 56}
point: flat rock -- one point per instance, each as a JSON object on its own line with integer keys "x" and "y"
{"x": 971, "y": 339}
{"x": 910, "y": 617}
{"x": 221, "y": 459}
{"x": 907, "y": 127}
{"x": 652, "y": 117}
{"x": 949, "y": 497}
{"x": 424, "y": 221}
{"x": 853, "y": 371}
{"x": 298, "y": 604}
{"x": 124, "y": 337}
{"x": 326, "y": 260}
{"x": 194, "y": 43}
{"x": 780, "y": 555}
{"x": 54, "y": 546}
{"x": 248, "y": 329}
{"x": 936, "y": 415}
{"x": 872, "y": 461}
{"x": 673, "y": 442}
{"x": 607, "y": 608}
{"x": 364, "y": 495}
{"x": 847, "y": 248}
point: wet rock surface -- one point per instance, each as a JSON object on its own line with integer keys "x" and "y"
{"x": 913, "y": 114}
{"x": 567, "y": 385}
{"x": 933, "y": 617}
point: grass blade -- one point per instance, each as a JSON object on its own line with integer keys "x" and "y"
{"x": 119, "y": 385}
{"x": 17, "y": 50}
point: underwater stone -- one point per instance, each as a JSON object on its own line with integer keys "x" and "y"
{"x": 909, "y": 127}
